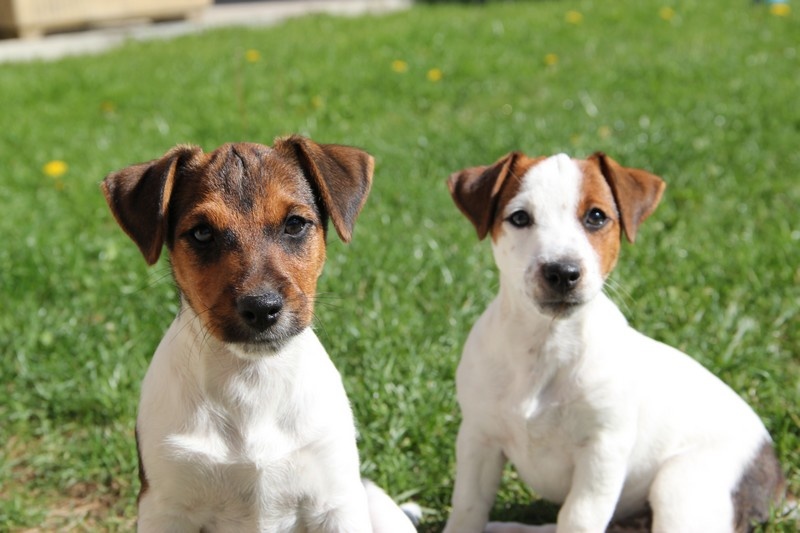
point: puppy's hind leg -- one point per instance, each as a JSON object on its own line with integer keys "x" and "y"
{"x": 692, "y": 494}
{"x": 386, "y": 516}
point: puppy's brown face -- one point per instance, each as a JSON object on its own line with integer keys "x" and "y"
{"x": 245, "y": 227}
{"x": 247, "y": 244}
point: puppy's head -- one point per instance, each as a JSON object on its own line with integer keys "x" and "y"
{"x": 245, "y": 228}
{"x": 555, "y": 222}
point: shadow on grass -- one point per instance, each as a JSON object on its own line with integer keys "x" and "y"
{"x": 469, "y": 1}
{"x": 540, "y": 512}
{"x": 533, "y": 513}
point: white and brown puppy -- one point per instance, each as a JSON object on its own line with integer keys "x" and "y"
{"x": 244, "y": 425}
{"x": 593, "y": 414}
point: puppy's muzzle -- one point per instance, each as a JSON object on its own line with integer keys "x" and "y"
{"x": 260, "y": 311}
{"x": 561, "y": 277}
{"x": 558, "y": 287}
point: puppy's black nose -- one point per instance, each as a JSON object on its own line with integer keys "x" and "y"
{"x": 260, "y": 311}
{"x": 562, "y": 277}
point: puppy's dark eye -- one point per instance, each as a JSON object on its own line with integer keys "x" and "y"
{"x": 520, "y": 219}
{"x": 595, "y": 219}
{"x": 203, "y": 234}
{"x": 296, "y": 226}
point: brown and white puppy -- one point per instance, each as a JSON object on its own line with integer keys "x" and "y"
{"x": 593, "y": 414}
{"x": 243, "y": 423}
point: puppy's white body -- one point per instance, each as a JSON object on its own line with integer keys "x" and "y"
{"x": 245, "y": 444}
{"x": 556, "y": 396}
{"x": 592, "y": 413}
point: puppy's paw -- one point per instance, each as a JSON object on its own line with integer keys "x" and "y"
{"x": 413, "y": 511}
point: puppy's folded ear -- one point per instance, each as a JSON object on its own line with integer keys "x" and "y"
{"x": 139, "y": 198}
{"x": 341, "y": 177}
{"x": 636, "y": 192}
{"x": 476, "y": 191}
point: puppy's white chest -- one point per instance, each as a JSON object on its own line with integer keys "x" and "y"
{"x": 229, "y": 447}
{"x": 238, "y": 473}
{"x": 529, "y": 405}
{"x": 541, "y": 434}
{"x": 252, "y": 452}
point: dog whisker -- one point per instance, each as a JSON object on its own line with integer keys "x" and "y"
{"x": 332, "y": 304}
{"x": 159, "y": 276}
{"x": 621, "y": 295}
{"x": 319, "y": 325}
{"x": 201, "y": 332}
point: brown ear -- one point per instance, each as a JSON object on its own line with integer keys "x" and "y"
{"x": 476, "y": 191}
{"x": 340, "y": 175}
{"x": 637, "y": 192}
{"x": 139, "y": 197}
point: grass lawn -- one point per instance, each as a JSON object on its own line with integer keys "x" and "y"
{"x": 704, "y": 93}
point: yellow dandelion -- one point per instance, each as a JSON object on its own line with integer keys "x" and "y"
{"x": 108, "y": 107}
{"x": 399, "y": 66}
{"x": 780, "y": 9}
{"x": 317, "y": 102}
{"x": 55, "y": 169}
{"x": 550, "y": 60}
{"x": 604, "y": 132}
{"x": 252, "y": 56}
{"x": 434, "y": 75}
{"x": 666, "y": 13}
{"x": 573, "y": 17}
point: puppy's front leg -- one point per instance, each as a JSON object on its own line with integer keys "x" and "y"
{"x": 479, "y": 467}
{"x": 600, "y": 469}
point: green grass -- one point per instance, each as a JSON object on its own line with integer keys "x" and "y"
{"x": 708, "y": 99}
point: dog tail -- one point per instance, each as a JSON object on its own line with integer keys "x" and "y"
{"x": 388, "y": 517}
